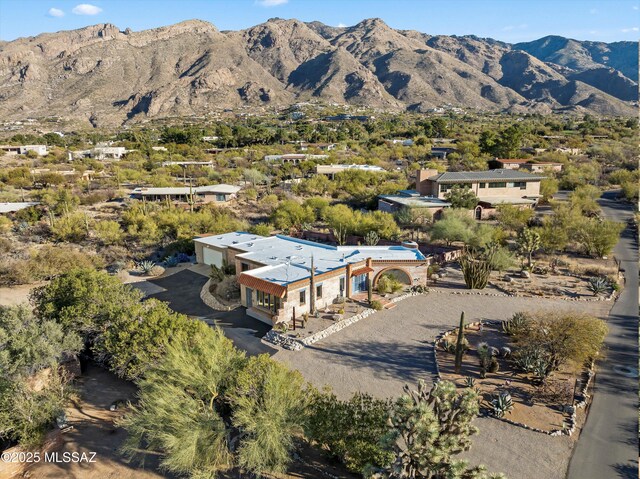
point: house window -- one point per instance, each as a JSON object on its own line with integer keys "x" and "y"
{"x": 319, "y": 291}
{"x": 268, "y": 301}
{"x": 520, "y": 184}
{"x": 498, "y": 184}
{"x": 342, "y": 286}
{"x": 303, "y": 296}
{"x": 220, "y": 197}
{"x": 244, "y": 267}
{"x": 483, "y": 185}
{"x": 444, "y": 188}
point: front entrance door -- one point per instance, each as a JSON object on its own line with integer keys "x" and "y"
{"x": 360, "y": 283}
{"x": 249, "y": 296}
{"x": 478, "y": 212}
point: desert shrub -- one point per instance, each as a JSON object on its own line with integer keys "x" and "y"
{"x": 156, "y": 270}
{"x": 50, "y": 261}
{"x": 350, "y": 430}
{"x": 5, "y": 224}
{"x": 389, "y": 284}
{"x": 14, "y": 271}
{"x": 108, "y": 232}
{"x": 375, "y": 304}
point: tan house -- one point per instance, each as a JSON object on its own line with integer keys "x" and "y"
{"x": 275, "y": 273}
{"x": 532, "y": 166}
{"x": 182, "y": 194}
{"x": 492, "y": 187}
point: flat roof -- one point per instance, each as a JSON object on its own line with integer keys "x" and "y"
{"x": 488, "y": 175}
{"x": 288, "y": 259}
{"x": 13, "y": 207}
{"x": 350, "y": 167}
{"x": 416, "y": 201}
{"x": 228, "y": 239}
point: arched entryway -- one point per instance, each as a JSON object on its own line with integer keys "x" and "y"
{"x": 399, "y": 274}
{"x": 478, "y": 212}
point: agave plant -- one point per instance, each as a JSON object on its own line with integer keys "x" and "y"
{"x": 598, "y": 285}
{"x": 171, "y": 261}
{"x": 502, "y": 404}
{"x": 516, "y": 324}
{"x": 146, "y": 266}
{"x": 469, "y": 382}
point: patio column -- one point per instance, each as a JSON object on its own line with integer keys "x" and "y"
{"x": 348, "y": 282}
{"x": 369, "y": 278}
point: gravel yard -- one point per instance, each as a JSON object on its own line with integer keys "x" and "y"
{"x": 393, "y": 347}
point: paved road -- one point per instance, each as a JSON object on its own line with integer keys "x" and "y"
{"x": 182, "y": 292}
{"x": 608, "y": 445}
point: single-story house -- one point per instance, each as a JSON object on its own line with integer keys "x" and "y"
{"x": 280, "y": 275}
{"x": 414, "y": 201}
{"x": 201, "y": 194}
{"x": 41, "y": 150}
{"x": 533, "y": 166}
{"x": 441, "y": 152}
{"x": 293, "y": 158}
{"x": 332, "y": 170}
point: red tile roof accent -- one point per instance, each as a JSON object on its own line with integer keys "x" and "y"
{"x": 359, "y": 271}
{"x": 262, "y": 285}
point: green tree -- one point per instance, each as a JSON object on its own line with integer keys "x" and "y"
{"x": 528, "y": 243}
{"x": 350, "y": 430}
{"x": 205, "y": 407}
{"x": 463, "y": 198}
{"x": 428, "y": 429}
{"x": 137, "y": 338}
{"x": 269, "y": 405}
{"x": 585, "y": 200}
{"x": 548, "y": 188}
{"x": 563, "y": 338}
{"x": 513, "y": 218}
{"x": 596, "y": 237}
{"x": 455, "y": 226}
{"x": 108, "y": 232}
{"x": 181, "y": 404}
{"x": 72, "y": 228}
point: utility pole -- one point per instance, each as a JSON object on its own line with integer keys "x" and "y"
{"x": 312, "y": 293}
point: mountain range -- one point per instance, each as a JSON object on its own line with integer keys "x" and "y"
{"x": 105, "y": 76}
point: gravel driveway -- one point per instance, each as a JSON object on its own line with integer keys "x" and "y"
{"x": 381, "y": 353}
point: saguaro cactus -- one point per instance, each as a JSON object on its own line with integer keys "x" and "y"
{"x": 460, "y": 345}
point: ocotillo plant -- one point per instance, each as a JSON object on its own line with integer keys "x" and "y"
{"x": 459, "y": 345}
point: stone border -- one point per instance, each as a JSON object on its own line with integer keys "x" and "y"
{"x": 211, "y": 301}
{"x": 295, "y": 344}
{"x": 506, "y": 294}
{"x": 582, "y": 395}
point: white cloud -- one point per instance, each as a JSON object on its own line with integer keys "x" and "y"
{"x": 632, "y": 29}
{"x": 636, "y": 7}
{"x": 271, "y": 3}
{"x": 55, "y": 12}
{"x": 86, "y": 9}
{"x": 341, "y": 25}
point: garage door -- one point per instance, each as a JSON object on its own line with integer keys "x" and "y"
{"x": 212, "y": 257}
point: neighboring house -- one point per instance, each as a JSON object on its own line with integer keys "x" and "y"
{"x": 533, "y": 166}
{"x": 209, "y": 164}
{"x": 441, "y": 152}
{"x": 332, "y": 170}
{"x": 293, "y": 158}
{"x": 201, "y": 194}
{"x": 13, "y": 207}
{"x": 100, "y": 153}
{"x": 411, "y": 199}
{"x": 492, "y": 187}
{"x": 275, "y": 277}
{"x": 41, "y": 150}
{"x": 400, "y": 141}
{"x": 319, "y": 146}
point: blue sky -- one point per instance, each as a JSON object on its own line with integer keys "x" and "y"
{"x": 507, "y": 20}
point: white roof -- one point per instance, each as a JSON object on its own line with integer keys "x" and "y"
{"x": 228, "y": 239}
{"x": 349, "y": 167}
{"x": 288, "y": 259}
{"x": 502, "y": 200}
{"x": 185, "y": 190}
{"x": 13, "y": 207}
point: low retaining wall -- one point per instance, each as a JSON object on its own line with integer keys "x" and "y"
{"x": 295, "y": 344}
{"x": 208, "y": 299}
